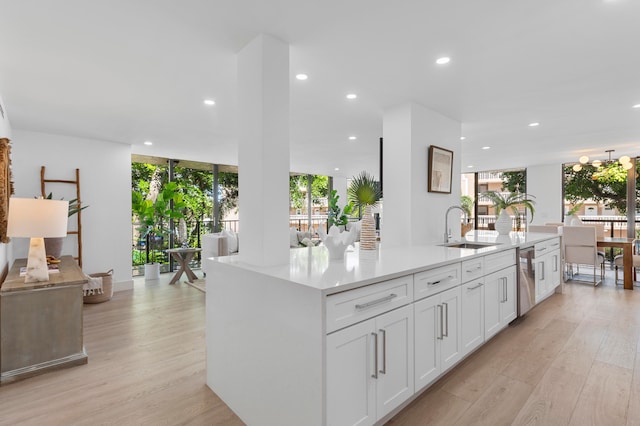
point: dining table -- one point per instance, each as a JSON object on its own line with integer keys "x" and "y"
{"x": 626, "y": 244}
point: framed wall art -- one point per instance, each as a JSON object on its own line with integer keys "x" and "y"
{"x": 440, "y": 169}
{"x": 6, "y": 186}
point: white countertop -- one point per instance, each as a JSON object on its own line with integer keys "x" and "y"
{"x": 312, "y": 267}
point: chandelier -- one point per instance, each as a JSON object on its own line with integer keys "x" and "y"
{"x": 624, "y": 161}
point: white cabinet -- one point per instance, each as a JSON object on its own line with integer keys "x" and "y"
{"x": 438, "y": 344}
{"x": 370, "y": 368}
{"x": 548, "y": 268}
{"x": 500, "y": 307}
{"x": 472, "y": 315}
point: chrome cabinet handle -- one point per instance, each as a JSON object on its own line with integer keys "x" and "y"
{"x": 474, "y": 269}
{"x": 377, "y": 301}
{"x": 450, "y": 277}
{"x": 504, "y": 284}
{"x": 441, "y": 320}
{"x": 475, "y": 287}
{"x": 375, "y": 352}
{"x": 446, "y": 318}
{"x": 384, "y": 351}
{"x": 542, "y": 278}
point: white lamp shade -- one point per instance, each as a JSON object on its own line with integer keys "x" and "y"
{"x": 31, "y": 217}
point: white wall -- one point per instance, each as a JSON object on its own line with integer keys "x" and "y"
{"x": 544, "y": 182}
{"x": 412, "y": 215}
{"x": 105, "y": 186}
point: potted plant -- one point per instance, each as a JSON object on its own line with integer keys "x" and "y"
{"x": 338, "y": 217}
{"x": 53, "y": 246}
{"x": 508, "y": 200}
{"x": 364, "y": 191}
{"x": 153, "y": 215}
{"x": 571, "y": 218}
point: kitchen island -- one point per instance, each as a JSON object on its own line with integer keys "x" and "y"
{"x": 323, "y": 342}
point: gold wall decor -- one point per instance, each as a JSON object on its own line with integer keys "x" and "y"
{"x": 6, "y": 186}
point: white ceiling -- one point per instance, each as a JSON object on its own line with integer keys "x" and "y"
{"x": 136, "y": 70}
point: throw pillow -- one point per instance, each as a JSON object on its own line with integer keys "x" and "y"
{"x": 293, "y": 237}
{"x": 232, "y": 240}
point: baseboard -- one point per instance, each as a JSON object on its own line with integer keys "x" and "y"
{"x": 123, "y": 285}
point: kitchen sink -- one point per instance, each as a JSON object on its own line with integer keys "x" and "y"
{"x": 469, "y": 245}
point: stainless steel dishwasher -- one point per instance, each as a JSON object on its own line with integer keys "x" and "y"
{"x": 526, "y": 279}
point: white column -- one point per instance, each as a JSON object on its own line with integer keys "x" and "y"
{"x": 411, "y": 214}
{"x": 263, "y": 151}
{"x": 340, "y": 185}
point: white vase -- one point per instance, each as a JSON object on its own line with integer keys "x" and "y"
{"x": 368, "y": 240}
{"x": 151, "y": 271}
{"x": 504, "y": 225}
{"x": 337, "y": 242}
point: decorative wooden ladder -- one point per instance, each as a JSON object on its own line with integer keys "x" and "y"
{"x": 75, "y": 182}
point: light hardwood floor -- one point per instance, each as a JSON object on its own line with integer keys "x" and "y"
{"x": 571, "y": 361}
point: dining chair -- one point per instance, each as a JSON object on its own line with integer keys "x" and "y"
{"x": 545, "y": 229}
{"x": 579, "y": 245}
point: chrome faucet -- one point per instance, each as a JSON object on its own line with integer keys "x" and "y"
{"x": 447, "y": 231}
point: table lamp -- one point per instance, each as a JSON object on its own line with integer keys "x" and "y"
{"x": 36, "y": 219}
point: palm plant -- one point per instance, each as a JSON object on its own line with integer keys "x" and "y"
{"x": 510, "y": 200}
{"x": 364, "y": 190}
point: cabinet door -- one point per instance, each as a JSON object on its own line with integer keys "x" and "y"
{"x": 493, "y": 285}
{"x": 554, "y": 269}
{"x": 451, "y": 343}
{"x": 472, "y": 316}
{"x": 541, "y": 277}
{"x": 426, "y": 337}
{"x": 509, "y": 306}
{"x": 350, "y": 366}
{"x": 395, "y": 359}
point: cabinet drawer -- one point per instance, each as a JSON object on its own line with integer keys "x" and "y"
{"x": 497, "y": 261}
{"x": 350, "y": 307}
{"x": 545, "y": 247}
{"x": 472, "y": 269}
{"x": 436, "y": 280}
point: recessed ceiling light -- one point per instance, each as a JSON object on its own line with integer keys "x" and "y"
{"x": 636, "y": 106}
{"x": 148, "y": 143}
{"x": 462, "y": 138}
{"x": 469, "y": 167}
{"x": 534, "y": 124}
{"x": 209, "y": 102}
{"x": 336, "y": 169}
{"x": 352, "y": 96}
{"x": 486, "y": 147}
{"x": 443, "y": 60}
{"x": 353, "y": 138}
{"x": 302, "y": 76}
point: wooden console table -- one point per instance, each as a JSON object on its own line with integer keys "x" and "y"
{"x": 41, "y": 323}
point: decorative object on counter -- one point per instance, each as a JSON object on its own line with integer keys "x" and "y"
{"x": 36, "y": 219}
{"x": 508, "y": 200}
{"x": 364, "y": 191}
{"x": 440, "y": 170}
{"x": 337, "y": 242}
{"x": 99, "y": 287}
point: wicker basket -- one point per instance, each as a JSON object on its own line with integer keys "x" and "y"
{"x": 107, "y": 288}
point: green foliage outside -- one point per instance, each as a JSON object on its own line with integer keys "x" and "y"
{"x": 514, "y": 181}
{"x": 467, "y": 204}
{"x": 298, "y": 189}
{"x": 606, "y": 184}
